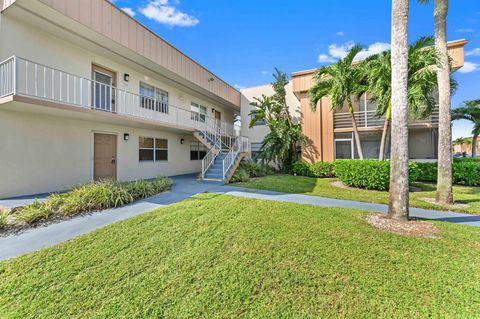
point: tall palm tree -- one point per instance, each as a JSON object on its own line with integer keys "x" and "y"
{"x": 470, "y": 111}
{"x": 422, "y": 81}
{"x": 398, "y": 199}
{"x": 342, "y": 82}
{"x": 444, "y": 181}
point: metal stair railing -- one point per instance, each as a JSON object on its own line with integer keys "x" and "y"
{"x": 240, "y": 145}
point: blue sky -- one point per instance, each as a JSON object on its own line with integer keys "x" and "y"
{"x": 243, "y": 41}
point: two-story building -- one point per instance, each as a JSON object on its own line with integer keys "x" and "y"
{"x": 89, "y": 93}
{"x": 329, "y": 131}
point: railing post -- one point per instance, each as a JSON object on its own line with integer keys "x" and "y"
{"x": 15, "y": 75}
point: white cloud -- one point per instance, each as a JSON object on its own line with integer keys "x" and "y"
{"x": 265, "y": 73}
{"x": 340, "y": 33}
{"x": 238, "y": 87}
{"x": 323, "y": 58}
{"x": 469, "y": 67}
{"x": 464, "y": 30}
{"x": 373, "y": 49}
{"x": 339, "y": 51}
{"x": 129, "y": 11}
{"x": 475, "y": 51}
{"x": 164, "y": 12}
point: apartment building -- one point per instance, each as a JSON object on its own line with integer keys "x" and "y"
{"x": 330, "y": 133}
{"x": 89, "y": 93}
{"x": 256, "y": 133}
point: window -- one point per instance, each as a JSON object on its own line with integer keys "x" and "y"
{"x": 153, "y": 98}
{"x": 152, "y": 149}
{"x": 199, "y": 112}
{"x": 197, "y": 151}
{"x": 255, "y": 149}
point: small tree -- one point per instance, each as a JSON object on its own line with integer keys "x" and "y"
{"x": 280, "y": 145}
{"x": 342, "y": 82}
{"x": 470, "y": 111}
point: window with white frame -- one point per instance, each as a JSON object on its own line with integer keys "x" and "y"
{"x": 153, "y": 98}
{"x": 199, "y": 112}
{"x": 257, "y": 123}
{"x": 152, "y": 149}
{"x": 197, "y": 151}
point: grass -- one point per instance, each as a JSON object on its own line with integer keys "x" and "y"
{"x": 322, "y": 187}
{"x": 216, "y": 256}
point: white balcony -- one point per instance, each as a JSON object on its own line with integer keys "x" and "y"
{"x": 21, "y": 77}
{"x": 369, "y": 119}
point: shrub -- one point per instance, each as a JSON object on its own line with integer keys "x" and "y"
{"x": 240, "y": 175}
{"x": 4, "y": 217}
{"x": 466, "y": 159}
{"x": 428, "y": 171}
{"x": 319, "y": 169}
{"x": 466, "y": 173}
{"x": 369, "y": 174}
{"x": 32, "y": 213}
{"x": 255, "y": 169}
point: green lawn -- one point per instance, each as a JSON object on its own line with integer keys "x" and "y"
{"x": 323, "y": 187}
{"x": 215, "y": 256}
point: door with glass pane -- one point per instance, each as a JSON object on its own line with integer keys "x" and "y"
{"x": 103, "y": 89}
{"x": 343, "y": 149}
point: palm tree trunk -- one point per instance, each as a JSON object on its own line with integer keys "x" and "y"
{"x": 444, "y": 180}
{"x": 398, "y": 200}
{"x": 474, "y": 145}
{"x": 355, "y": 130}
{"x": 383, "y": 141}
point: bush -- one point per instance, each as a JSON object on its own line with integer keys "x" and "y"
{"x": 91, "y": 197}
{"x": 466, "y": 173}
{"x": 255, "y": 169}
{"x": 32, "y": 213}
{"x": 428, "y": 171}
{"x": 466, "y": 159}
{"x": 319, "y": 169}
{"x": 369, "y": 174}
{"x": 240, "y": 175}
{"x": 4, "y": 217}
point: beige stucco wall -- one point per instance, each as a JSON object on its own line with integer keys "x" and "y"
{"x": 257, "y": 133}
{"x": 43, "y": 153}
{"x": 38, "y": 46}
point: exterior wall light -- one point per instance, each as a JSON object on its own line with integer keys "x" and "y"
{"x": 213, "y": 110}
{"x": 126, "y": 77}
{"x": 182, "y": 141}
{"x": 126, "y": 137}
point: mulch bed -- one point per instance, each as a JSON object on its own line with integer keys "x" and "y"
{"x": 412, "y": 228}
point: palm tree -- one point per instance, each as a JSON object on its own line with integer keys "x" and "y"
{"x": 398, "y": 199}
{"x": 444, "y": 180}
{"x": 342, "y": 82}
{"x": 422, "y": 81}
{"x": 470, "y": 111}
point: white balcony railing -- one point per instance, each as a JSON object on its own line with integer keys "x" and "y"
{"x": 371, "y": 119}
{"x": 22, "y": 77}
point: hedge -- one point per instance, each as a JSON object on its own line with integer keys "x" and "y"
{"x": 369, "y": 174}
{"x": 319, "y": 169}
{"x": 250, "y": 169}
{"x": 465, "y": 172}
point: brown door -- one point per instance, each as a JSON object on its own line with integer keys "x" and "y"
{"x": 103, "y": 94}
{"x": 105, "y": 156}
{"x": 218, "y": 115}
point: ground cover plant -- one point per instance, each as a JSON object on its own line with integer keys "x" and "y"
{"x": 216, "y": 256}
{"x": 83, "y": 199}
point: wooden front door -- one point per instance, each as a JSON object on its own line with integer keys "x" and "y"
{"x": 218, "y": 115}
{"x": 103, "y": 94}
{"x": 105, "y": 156}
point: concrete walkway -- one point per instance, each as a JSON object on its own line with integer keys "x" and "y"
{"x": 183, "y": 188}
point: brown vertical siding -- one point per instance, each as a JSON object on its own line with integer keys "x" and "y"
{"x": 311, "y": 127}
{"x": 327, "y": 130}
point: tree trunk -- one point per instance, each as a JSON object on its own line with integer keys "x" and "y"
{"x": 444, "y": 180}
{"x": 383, "y": 141}
{"x": 398, "y": 200}
{"x": 355, "y": 132}
{"x": 474, "y": 145}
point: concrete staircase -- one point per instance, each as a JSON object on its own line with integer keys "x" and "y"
{"x": 224, "y": 156}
